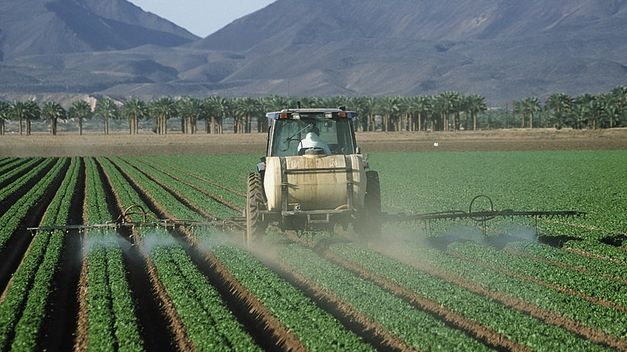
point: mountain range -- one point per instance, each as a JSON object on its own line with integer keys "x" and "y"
{"x": 501, "y": 49}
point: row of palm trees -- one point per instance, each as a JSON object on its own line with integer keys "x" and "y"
{"x": 606, "y": 110}
{"x": 444, "y": 112}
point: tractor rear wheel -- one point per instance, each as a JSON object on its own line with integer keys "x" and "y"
{"x": 255, "y": 204}
{"x": 369, "y": 220}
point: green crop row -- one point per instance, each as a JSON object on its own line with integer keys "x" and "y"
{"x": 415, "y": 327}
{"x": 612, "y": 254}
{"x": 198, "y": 180}
{"x": 576, "y": 261}
{"x": 11, "y": 219}
{"x": 166, "y": 199}
{"x": 15, "y": 185}
{"x": 15, "y": 166}
{"x": 319, "y": 331}
{"x": 594, "y": 286}
{"x": 194, "y": 197}
{"x": 24, "y": 308}
{"x": 127, "y": 194}
{"x": 209, "y": 324}
{"x": 229, "y": 171}
{"x": 590, "y": 181}
{"x": 112, "y": 323}
{"x": 519, "y": 327}
{"x": 595, "y": 316}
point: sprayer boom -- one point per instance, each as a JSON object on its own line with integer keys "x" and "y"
{"x": 136, "y": 216}
{"x": 481, "y": 216}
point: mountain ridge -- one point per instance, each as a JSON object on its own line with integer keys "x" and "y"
{"x": 501, "y": 49}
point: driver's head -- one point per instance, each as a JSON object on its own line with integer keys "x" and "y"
{"x": 311, "y": 136}
{"x": 313, "y": 128}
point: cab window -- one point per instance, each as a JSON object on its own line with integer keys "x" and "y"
{"x": 337, "y": 134}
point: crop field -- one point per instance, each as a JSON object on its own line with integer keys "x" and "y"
{"x": 522, "y": 285}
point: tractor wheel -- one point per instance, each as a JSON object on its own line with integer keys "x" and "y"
{"x": 369, "y": 221}
{"x": 255, "y": 203}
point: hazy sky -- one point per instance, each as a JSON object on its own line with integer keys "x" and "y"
{"x": 201, "y": 17}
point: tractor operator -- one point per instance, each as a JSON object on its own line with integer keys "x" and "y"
{"x": 312, "y": 140}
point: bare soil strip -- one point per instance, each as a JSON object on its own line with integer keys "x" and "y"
{"x": 542, "y": 283}
{"x": 481, "y": 332}
{"x": 201, "y": 144}
{"x": 82, "y": 322}
{"x": 263, "y": 326}
{"x": 518, "y": 304}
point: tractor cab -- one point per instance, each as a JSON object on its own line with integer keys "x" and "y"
{"x": 296, "y": 132}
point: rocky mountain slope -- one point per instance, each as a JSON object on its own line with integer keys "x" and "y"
{"x": 44, "y": 27}
{"x": 502, "y": 49}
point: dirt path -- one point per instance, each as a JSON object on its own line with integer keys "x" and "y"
{"x": 148, "y": 144}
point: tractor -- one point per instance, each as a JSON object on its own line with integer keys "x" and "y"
{"x": 313, "y": 177}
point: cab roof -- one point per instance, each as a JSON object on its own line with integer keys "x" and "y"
{"x": 296, "y": 114}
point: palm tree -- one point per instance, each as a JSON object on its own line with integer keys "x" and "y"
{"x": 134, "y": 109}
{"x": 25, "y": 110}
{"x": 248, "y": 107}
{"x": 388, "y": 107}
{"x": 80, "y": 110}
{"x": 189, "y": 109}
{"x": 584, "y": 107}
{"x": 162, "y": 110}
{"x": 530, "y": 106}
{"x": 476, "y": 104}
{"x": 559, "y": 104}
{"x": 423, "y": 106}
{"x": 107, "y": 109}
{"x": 445, "y": 104}
{"x": 214, "y": 107}
{"x": 5, "y": 113}
{"x": 53, "y": 111}
{"x": 619, "y": 100}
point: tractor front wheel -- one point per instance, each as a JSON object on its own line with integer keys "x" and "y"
{"x": 255, "y": 204}
{"x": 369, "y": 220}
